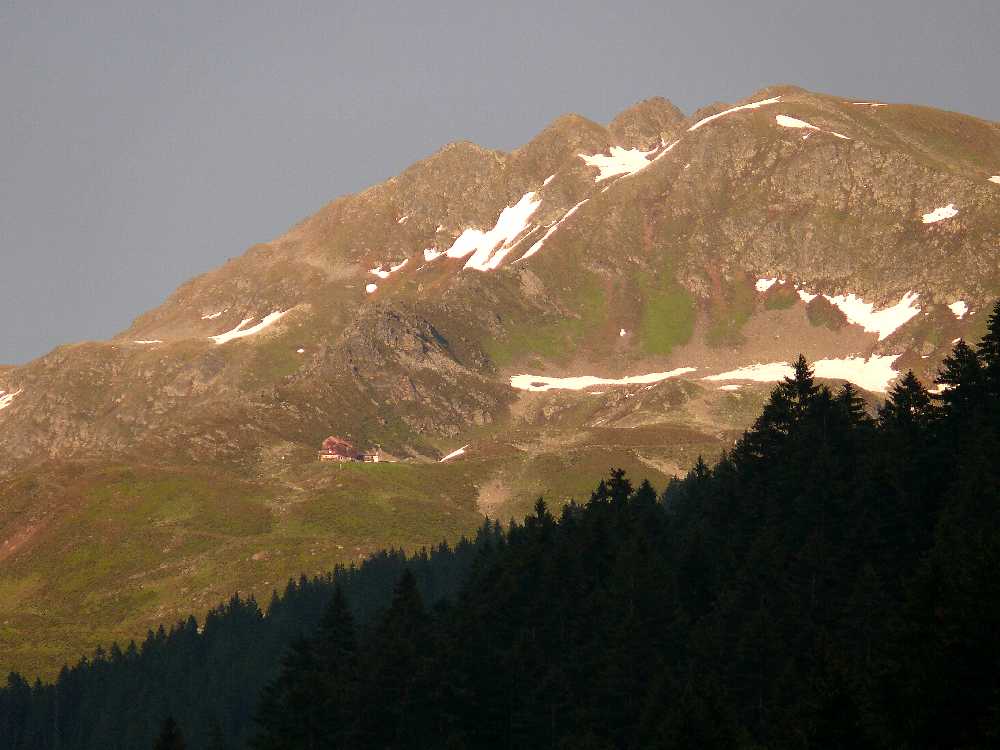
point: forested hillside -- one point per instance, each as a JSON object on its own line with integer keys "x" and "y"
{"x": 830, "y": 582}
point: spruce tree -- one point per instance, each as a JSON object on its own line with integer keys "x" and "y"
{"x": 908, "y": 405}
{"x": 335, "y": 647}
{"x": 801, "y": 387}
{"x": 989, "y": 356}
{"x": 961, "y": 381}
{"x": 853, "y": 404}
{"x": 170, "y": 737}
{"x": 989, "y": 346}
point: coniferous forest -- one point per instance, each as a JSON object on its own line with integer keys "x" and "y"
{"x": 830, "y": 582}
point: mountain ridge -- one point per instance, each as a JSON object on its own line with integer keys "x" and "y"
{"x": 672, "y": 265}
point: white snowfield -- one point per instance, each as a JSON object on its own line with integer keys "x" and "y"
{"x": 454, "y": 454}
{"x": 7, "y": 398}
{"x": 148, "y": 341}
{"x": 212, "y": 316}
{"x": 240, "y": 332}
{"x": 873, "y": 374}
{"x": 488, "y": 249}
{"x": 790, "y": 122}
{"x": 621, "y": 161}
{"x": 752, "y": 105}
{"x": 940, "y": 214}
{"x": 763, "y": 285}
{"x": 551, "y": 230}
{"x": 539, "y": 383}
{"x": 432, "y": 253}
{"x": 884, "y": 322}
{"x": 371, "y": 288}
{"x": 995, "y": 178}
{"x": 731, "y": 387}
{"x": 377, "y": 271}
{"x": 959, "y": 309}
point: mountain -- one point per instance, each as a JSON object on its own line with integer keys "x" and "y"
{"x": 831, "y": 582}
{"x": 482, "y": 300}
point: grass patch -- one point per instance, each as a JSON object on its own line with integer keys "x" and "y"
{"x": 822, "y": 313}
{"x": 780, "y": 297}
{"x": 668, "y": 313}
{"x": 553, "y": 339}
{"x": 274, "y": 358}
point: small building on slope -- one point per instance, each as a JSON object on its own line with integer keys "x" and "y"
{"x": 340, "y": 450}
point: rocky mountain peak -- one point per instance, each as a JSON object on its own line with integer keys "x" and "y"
{"x": 642, "y": 124}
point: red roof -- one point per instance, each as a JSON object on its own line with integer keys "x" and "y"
{"x": 338, "y": 447}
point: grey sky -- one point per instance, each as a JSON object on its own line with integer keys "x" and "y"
{"x": 143, "y": 143}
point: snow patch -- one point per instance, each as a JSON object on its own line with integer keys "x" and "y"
{"x": 548, "y": 180}
{"x": 761, "y": 373}
{"x": 870, "y": 104}
{"x": 731, "y": 387}
{"x": 148, "y": 341}
{"x": 240, "y": 332}
{"x": 873, "y": 374}
{"x": 432, "y": 253}
{"x": 370, "y": 288}
{"x": 552, "y": 230}
{"x": 790, "y": 122}
{"x": 392, "y": 269}
{"x": 539, "y": 383}
{"x": 402, "y": 219}
{"x": 763, "y": 285}
{"x": 622, "y": 332}
{"x": 621, "y": 161}
{"x": 511, "y": 224}
{"x": 995, "y": 178}
{"x": 6, "y": 399}
{"x": 884, "y": 322}
{"x": 454, "y": 454}
{"x": 959, "y": 309}
{"x": 752, "y": 105}
{"x": 806, "y": 296}
{"x": 940, "y": 214}
{"x": 300, "y": 351}
{"x": 213, "y": 316}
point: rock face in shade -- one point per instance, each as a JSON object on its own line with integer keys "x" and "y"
{"x": 620, "y": 294}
